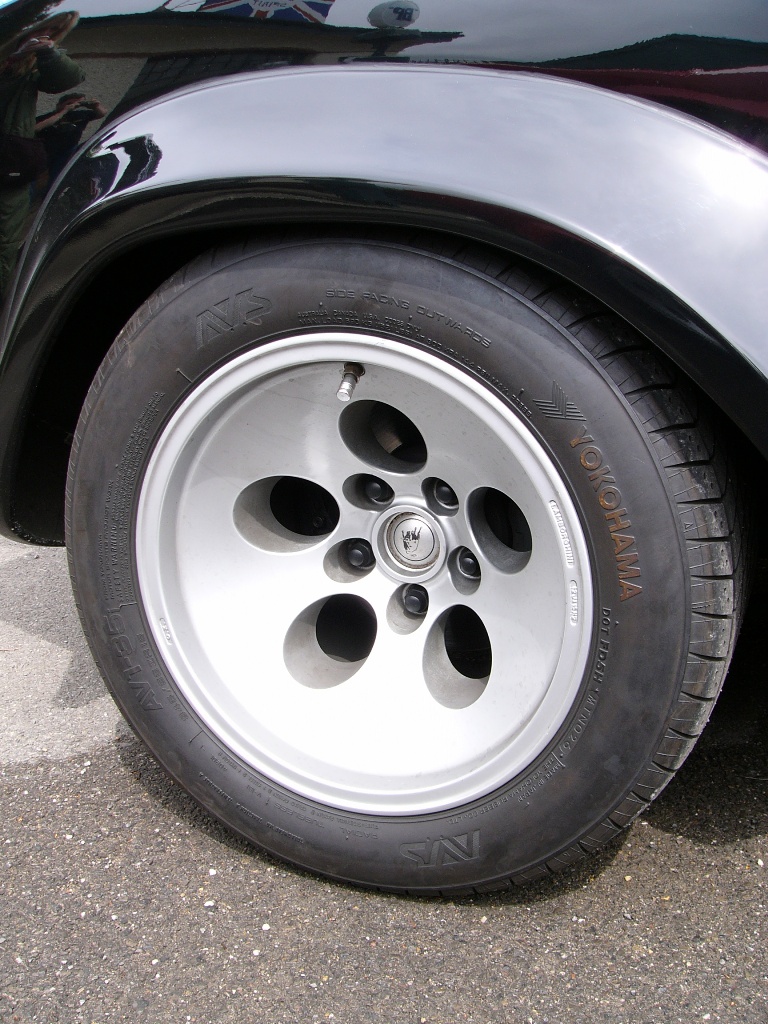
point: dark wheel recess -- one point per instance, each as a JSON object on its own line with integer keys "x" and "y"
{"x": 414, "y": 569}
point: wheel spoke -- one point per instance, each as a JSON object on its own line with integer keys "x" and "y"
{"x": 231, "y": 611}
{"x": 257, "y": 440}
{"x": 527, "y": 603}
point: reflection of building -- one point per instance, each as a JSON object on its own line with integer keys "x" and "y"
{"x": 155, "y": 61}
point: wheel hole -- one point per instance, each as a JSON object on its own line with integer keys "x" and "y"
{"x": 457, "y": 658}
{"x": 285, "y": 513}
{"x": 383, "y": 436}
{"x": 346, "y": 628}
{"x": 467, "y": 643}
{"x": 330, "y": 641}
{"x": 502, "y": 531}
{"x": 303, "y": 507}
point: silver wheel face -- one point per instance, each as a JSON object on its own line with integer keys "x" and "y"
{"x": 383, "y": 604}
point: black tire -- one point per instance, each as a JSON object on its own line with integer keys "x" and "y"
{"x": 627, "y": 443}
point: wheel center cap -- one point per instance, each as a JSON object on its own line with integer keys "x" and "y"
{"x": 411, "y": 541}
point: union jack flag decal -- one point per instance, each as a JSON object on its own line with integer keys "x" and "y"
{"x": 283, "y": 10}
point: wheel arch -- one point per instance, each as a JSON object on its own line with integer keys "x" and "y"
{"x": 629, "y": 201}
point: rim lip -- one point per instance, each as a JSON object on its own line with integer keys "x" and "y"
{"x": 227, "y": 383}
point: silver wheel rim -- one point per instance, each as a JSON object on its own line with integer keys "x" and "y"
{"x": 312, "y": 669}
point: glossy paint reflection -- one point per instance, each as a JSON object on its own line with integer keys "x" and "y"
{"x": 710, "y": 61}
{"x": 190, "y": 120}
{"x": 33, "y": 64}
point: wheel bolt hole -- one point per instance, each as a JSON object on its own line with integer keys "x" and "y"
{"x": 360, "y": 554}
{"x": 416, "y": 599}
{"x": 367, "y": 491}
{"x": 377, "y": 491}
{"x": 467, "y": 564}
{"x": 440, "y": 497}
{"x": 465, "y": 571}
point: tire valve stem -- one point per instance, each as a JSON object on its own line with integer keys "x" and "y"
{"x": 352, "y": 374}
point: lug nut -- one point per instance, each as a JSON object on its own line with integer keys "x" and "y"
{"x": 415, "y": 599}
{"x": 377, "y": 491}
{"x": 445, "y": 495}
{"x": 360, "y": 554}
{"x": 468, "y": 564}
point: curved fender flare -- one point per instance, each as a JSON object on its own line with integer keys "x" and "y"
{"x": 660, "y": 216}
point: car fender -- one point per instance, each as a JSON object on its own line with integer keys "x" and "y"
{"x": 660, "y": 216}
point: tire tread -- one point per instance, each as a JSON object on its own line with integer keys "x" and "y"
{"x": 703, "y": 486}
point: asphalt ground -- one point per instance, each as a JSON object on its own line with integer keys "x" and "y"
{"x": 121, "y": 901}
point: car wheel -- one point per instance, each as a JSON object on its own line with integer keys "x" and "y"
{"x": 415, "y": 569}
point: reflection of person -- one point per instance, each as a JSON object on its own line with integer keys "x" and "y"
{"x": 61, "y": 130}
{"x": 36, "y": 64}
